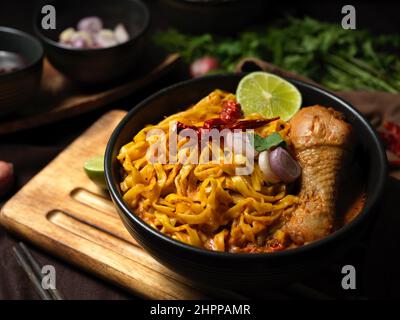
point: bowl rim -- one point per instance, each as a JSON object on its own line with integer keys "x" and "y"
{"x": 54, "y": 43}
{"x": 25, "y": 35}
{"x": 379, "y": 185}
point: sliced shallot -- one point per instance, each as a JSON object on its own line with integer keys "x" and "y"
{"x": 283, "y": 165}
{"x": 263, "y": 162}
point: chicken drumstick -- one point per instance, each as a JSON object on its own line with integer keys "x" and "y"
{"x": 321, "y": 140}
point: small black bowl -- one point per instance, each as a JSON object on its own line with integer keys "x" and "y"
{"x": 96, "y": 66}
{"x": 213, "y": 16}
{"x": 240, "y": 270}
{"x": 19, "y": 87}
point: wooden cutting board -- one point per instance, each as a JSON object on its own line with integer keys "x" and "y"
{"x": 59, "y": 98}
{"x": 63, "y": 212}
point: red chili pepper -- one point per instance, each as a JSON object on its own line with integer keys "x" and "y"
{"x": 394, "y": 163}
{"x": 393, "y": 128}
{"x": 392, "y": 143}
{"x": 228, "y": 119}
{"x": 392, "y": 137}
{"x": 231, "y": 111}
{"x": 250, "y": 124}
{"x": 215, "y": 123}
{"x": 181, "y": 126}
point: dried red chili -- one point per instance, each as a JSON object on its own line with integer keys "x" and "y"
{"x": 250, "y": 124}
{"x": 215, "y": 123}
{"x": 395, "y": 163}
{"x": 393, "y": 128}
{"x": 392, "y": 144}
{"x": 229, "y": 119}
{"x": 391, "y": 138}
{"x": 181, "y": 126}
{"x": 218, "y": 124}
{"x": 231, "y": 111}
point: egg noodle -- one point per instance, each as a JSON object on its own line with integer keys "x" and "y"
{"x": 207, "y": 205}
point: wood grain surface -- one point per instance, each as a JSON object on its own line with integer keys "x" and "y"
{"x": 59, "y": 98}
{"x": 62, "y": 211}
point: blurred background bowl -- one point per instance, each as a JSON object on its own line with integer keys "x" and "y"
{"x": 19, "y": 87}
{"x": 96, "y": 66}
{"x": 213, "y": 16}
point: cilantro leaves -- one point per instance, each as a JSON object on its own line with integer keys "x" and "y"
{"x": 338, "y": 59}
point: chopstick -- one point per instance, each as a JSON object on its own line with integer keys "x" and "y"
{"x": 33, "y": 271}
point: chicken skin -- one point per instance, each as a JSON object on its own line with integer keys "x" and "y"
{"x": 321, "y": 141}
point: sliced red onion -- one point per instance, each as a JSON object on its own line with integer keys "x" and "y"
{"x": 90, "y": 24}
{"x": 105, "y": 38}
{"x": 66, "y": 35}
{"x": 263, "y": 162}
{"x": 120, "y": 33}
{"x": 90, "y": 35}
{"x": 81, "y": 39}
{"x": 283, "y": 165}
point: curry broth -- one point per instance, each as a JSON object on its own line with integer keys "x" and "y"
{"x": 351, "y": 197}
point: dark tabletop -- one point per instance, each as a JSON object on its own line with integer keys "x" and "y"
{"x": 31, "y": 150}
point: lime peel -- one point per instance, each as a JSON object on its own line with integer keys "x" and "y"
{"x": 94, "y": 168}
{"x": 268, "y": 95}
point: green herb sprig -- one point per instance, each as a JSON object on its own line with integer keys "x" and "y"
{"x": 273, "y": 140}
{"x": 338, "y": 59}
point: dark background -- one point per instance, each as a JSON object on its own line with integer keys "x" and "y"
{"x": 31, "y": 150}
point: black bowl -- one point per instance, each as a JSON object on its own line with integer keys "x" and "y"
{"x": 19, "y": 87}
{"x": 214, "y": 16}
{"x": 96, "y": 66}
{"x": 239, "y": 270}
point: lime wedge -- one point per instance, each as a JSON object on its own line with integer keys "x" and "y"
{"x": 268, "y": 95}
{"x": 94, "y": 168}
